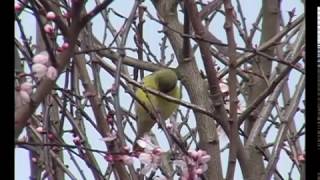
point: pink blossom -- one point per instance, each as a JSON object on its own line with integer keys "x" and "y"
{"x": 51, "y": 15}
{"x": 65, "y": 45}
{"x": 52, "y": 73}
{"x": 48, "y": 28}
{"x": 40, "y": 129}
{"x": 151, "y": 157}
{"x": 193, "y": 153}
{"x": 151, "y": 161}
{"x": 301, "y": 158}
{"x": 77, "y": 140}
{"x": 146, "y": 144}
{"x": 41, "y": 58}
{"x": 205, "y": 158}
{"x": 194, "y": 165}
{"x": 25, "y": 97}
{"x": 224, "y": 87}
{"x": 34, "y": 159}
{"x": 169, "y": 125}
{"x": 201, "y": 153}
{"x": 17, "y": 7}
{"x": 26, "y": 86}
{"x": 40, "y": 70}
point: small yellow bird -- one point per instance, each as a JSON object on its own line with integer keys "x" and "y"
{"x": 164, "y": 80}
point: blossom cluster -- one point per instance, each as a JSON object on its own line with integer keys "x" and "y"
{"x": 41, "y": 66}
{"x": 193, "y": 165}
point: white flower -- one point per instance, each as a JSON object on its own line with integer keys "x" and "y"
{"x": 52, "y": 73}
{"x": 40, "y": 70}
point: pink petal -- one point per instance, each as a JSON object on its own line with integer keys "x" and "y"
{"x": 52, "y": 73}
{"x": 34, "y": 159}
{"x": 39, "y": 69}
{"x": 205, "y": 158}
{"x": 199, "y": 171}
{"x": 157, "y": 151}
{"x": 193, "y": 153}
{"x": 77, "y": 140}
{"x": 224, "y": 88}
{"x": 240, "y": 108}
{"x": 48, "y": 28}
{"x": 51, "y": 15}
{"x": 202, "y": 152}
{"x": 204, "y": 168}
{"x": 17, "y": 7}
{"x": 41, "y": 58}
{"x": 65, "y": 45}
{"x": 40, "y": 129}
{"x": 169, "y": 125}
{"x": 142, "y": 143}
{"x": 301, "y": 157}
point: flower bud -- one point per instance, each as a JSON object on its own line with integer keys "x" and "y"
{"x": 51, "y": 15}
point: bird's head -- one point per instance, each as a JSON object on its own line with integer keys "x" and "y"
{"x": 167, "y": 80}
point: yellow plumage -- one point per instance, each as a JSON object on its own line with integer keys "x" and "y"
{"x": 165, "y": 81}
